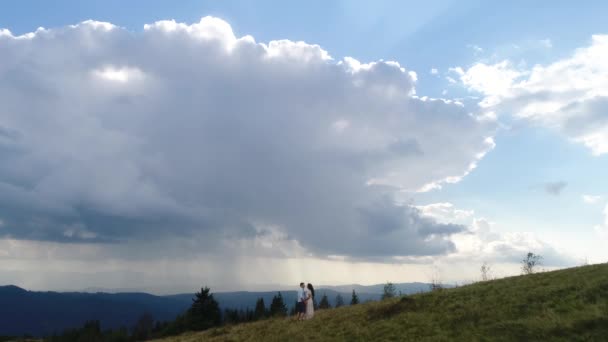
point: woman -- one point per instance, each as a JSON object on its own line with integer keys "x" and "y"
{"x": 310, "y": 297}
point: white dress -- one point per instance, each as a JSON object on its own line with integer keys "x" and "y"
{"x": 310, "y": 308}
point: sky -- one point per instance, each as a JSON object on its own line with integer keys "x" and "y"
{"x": 247, "y": 145}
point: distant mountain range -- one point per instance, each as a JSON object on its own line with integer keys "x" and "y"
{"x": 404, "y": 288}
{"x": 42, "y": 313}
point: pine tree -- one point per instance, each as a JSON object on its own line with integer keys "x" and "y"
{"x": 231, "y": 316}
{"x": 278, "y": 307}
{"x": 324, "y": 303}
{"x": 260, "y": 309}
{"x": 355, "y": 299}
{"x": 91, "y": 331}
{"x": 204, "y": 312}
{"x": 143, "y": 328}
{"x": 339, "y": 300}
{"x": 249, "y": 315}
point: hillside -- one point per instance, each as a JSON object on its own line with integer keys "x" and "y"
{"x": 565, "y": 305}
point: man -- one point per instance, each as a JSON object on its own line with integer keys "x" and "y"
{"x": 301, "y": 303}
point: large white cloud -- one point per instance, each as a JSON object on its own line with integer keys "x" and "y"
{"x": 483, "y": 241}
{"x": 187, "y": 131}
{"x": 569, "y": 95}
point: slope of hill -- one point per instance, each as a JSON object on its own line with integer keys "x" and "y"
{"x": 565, "y": 305}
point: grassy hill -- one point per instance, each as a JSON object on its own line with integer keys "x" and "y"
{"x": 565, "y": 305}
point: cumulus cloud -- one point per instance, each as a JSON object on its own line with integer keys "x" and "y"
{"x": 483, "y": 241}
{"x": 569, "y": 95}
{"x": 445, "y": 212}
{"x": 495, "y": 81}
{"x": 591, "y": 199}
{"x": 189, "y": 132}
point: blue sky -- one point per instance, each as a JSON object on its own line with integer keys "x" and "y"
{"x": 509, "y": 186}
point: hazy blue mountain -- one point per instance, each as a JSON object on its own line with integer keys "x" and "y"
{"x": 42, "y": 313}
{"x": 39, "y": 313}
{"x": 404, "y": 288}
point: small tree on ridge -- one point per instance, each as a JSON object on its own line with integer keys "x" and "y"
{"x": 530, "y": 263}
{"x": 389, "y": 291}
{"x": 485, "y": 269}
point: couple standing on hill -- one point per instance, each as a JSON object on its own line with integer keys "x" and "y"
{"x": 305, "y": 308}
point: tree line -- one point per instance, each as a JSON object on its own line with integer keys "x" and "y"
{"x": 204, "y": 313}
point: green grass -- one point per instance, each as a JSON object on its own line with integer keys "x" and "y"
{"x": 565, "y": 305}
